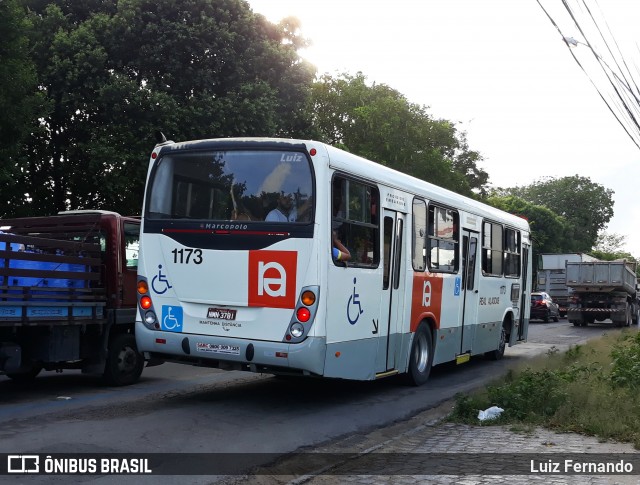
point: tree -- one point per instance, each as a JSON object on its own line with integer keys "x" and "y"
{"x": 20, "y": 102}
{"x": 610, "y": 243}
{"x": 610, "y": 247}
{"x": 586, "y": 206}
{"x": 378, "y": 123}
{"x": 116, "y": 71}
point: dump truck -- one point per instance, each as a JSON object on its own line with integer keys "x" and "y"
{"x": 552, "y": 278}
{"x": 68, "y": 295}
{"x": 602, "y": 290}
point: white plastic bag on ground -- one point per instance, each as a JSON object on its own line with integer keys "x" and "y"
{"x": 492, "y": 413}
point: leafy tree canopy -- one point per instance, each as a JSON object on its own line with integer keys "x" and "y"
{"x": 20, "y": 102}
{"x": 115, "y": 71}
{"x": 610, "y": 247}
{"x": 586, "y": 206}
{"x": 378, "y": 123}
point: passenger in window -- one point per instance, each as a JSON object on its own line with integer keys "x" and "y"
{"x": 285, "y": 211}
{"x": 339, "y": 251}
{"x": 305, "y": 209}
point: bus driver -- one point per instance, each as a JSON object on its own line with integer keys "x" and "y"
{"x": 285, "y": 211}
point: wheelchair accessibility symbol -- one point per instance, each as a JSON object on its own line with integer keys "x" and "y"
{"x": 172, "y": 318}
{"x": 160, "y": 283}
{"x": 354, "y": 301}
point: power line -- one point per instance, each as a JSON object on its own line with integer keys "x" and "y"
{"x": 624, "y": 99}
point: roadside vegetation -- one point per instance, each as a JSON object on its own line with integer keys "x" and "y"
{"x": 591, "y": 389}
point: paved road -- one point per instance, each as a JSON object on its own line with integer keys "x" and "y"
{"x": 185, "y": 409}
{"x": 426, "y": 449}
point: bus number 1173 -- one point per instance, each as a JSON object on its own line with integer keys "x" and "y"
{"x": 183, "y": 256}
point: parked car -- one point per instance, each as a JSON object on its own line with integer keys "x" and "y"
{"x": 543, "y": 307}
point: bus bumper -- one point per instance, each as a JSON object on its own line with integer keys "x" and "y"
{"x": 307, "y": 357}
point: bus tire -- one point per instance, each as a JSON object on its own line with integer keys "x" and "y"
{"x": 421, "y": 356}
{"x": 498, "y": 353}
{"x": 124, "y": 362}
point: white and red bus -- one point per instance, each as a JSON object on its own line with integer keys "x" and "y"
{"x": 236, "y": 268}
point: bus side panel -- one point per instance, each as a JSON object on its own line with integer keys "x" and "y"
{"x": 353, "y": 308}
{"x": 450, "y": 335}
{"x": 493, "y": 304}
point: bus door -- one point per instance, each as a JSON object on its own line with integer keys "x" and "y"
{"x": 389, "y": 325}
{"x": 471, "y": 299}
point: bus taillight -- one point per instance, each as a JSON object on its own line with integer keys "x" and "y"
{"x": 303, "y": 314}
{"x": 297, "y": 330}
{"x": 308, "y": 298}
{"x": 150, "y": 319}
{"x": 145, "y": 304}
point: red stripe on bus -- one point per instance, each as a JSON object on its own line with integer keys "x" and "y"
{"x": 226, "y": 231}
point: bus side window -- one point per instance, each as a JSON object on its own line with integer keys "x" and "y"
{"x": 512, "y": 253}
{"x": 442, "y": 240}
{"x": 419, "y": 234}
{"x": 492, "y": 248}
{"x": 354, "y": 217}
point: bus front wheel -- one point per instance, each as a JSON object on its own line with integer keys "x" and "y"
{"x": 421, "y": 356}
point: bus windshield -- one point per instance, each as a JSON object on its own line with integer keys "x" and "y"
{"x": 249, "y": 185}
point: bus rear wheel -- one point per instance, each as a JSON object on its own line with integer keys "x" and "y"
{"x": 421, "y": 356}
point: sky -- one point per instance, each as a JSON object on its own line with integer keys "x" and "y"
{"x": 501, "y": 71}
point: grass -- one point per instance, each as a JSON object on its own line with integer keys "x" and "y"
{"x": 592, "y": 389}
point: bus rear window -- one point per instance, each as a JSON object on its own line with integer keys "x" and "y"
{"x": 271, "y": 186}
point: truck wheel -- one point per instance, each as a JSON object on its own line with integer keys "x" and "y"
{"x": 421, "y": 356}
{"x": 124, "y": 362}
{"x": 498, "y": 353}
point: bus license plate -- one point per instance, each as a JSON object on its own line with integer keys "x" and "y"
{"x": 218, "y": 348}
{"x": 221, "y": 314}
